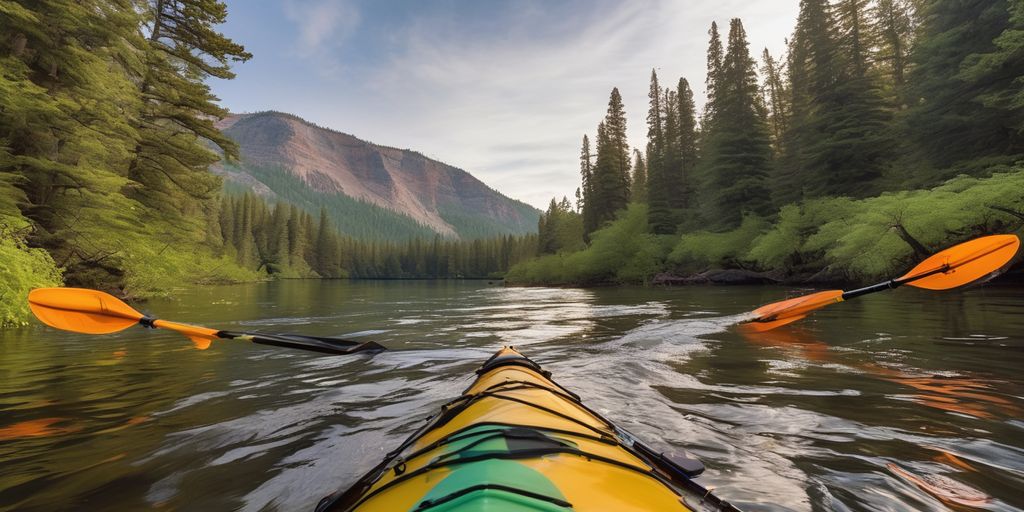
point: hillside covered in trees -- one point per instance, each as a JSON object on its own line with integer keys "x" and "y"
{"x": 890, "y": 129}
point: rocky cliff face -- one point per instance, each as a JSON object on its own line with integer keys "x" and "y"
{"x": 443, "y": 198}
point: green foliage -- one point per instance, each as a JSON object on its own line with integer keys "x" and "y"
{"x": 21, "y": 269}
{"x": 470, "y": 225}
{"x": 965, "y": 83}
{"x": 703, "y": 249}
{"x": 559, "y": 229}
{"x": 737, "y": 155}
{"x": 610, "y": 179}
{"x": 621, "y": 252}
{"x": 782, "y": 245}
{"x": 838, "y": 140}
{"x": 352, "y": 217}
{"x": 171, "y": 158}
{"x": 879, "y": 236}
{"x": 159, "y": 271}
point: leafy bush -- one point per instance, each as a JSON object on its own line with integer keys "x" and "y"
{"x": 21, "y": 269}
{"x": 621, "y": 252}
{"x": 702, "y": 249}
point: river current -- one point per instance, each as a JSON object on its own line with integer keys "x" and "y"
{"x": 906, "y": 400}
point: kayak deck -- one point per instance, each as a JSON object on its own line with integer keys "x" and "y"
{"x": 515, "y": 441}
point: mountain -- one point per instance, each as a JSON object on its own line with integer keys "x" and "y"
{"x": 369, "y": 190}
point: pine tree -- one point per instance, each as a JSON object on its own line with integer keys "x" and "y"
{"x": 775, "y": 98}
{"x": 965, "y": 86}
{"x": 587, "y": 177}
{"x": 738, "y": 154}
{"x": 672, "y": 159}
{"x": 612, "y": 180}
{"x": 639, "y": 187}
{"x": 714, "y": 76}
{"x": 660, "y": 218}
{"x": 840, "y": 139}
{"x": 243, "y": 229}
{"x": 327, "y": 250}
{"x": 277, "y": 246}
{"x": 65, "y": 104}
{"x": 171, "y": 158}
{"x": 893, "y": 21}
{"x": 687, "y": 145}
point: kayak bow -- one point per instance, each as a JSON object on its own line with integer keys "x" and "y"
{"x": 515, "y": 441}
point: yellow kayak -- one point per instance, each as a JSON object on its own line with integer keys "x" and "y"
{"x": 516, "y": 441}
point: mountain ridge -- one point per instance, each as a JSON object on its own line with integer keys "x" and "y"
{"x": 446, "y": 199}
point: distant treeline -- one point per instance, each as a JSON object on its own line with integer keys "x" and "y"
{"x": 367, "y": 221}
{"x": 283, "y": 240}
{"x": 839, "y": 160}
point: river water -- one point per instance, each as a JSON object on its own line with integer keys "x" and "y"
{"x": 905, "y": 400}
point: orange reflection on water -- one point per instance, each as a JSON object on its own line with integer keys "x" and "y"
{"x": 795, "y": 340}
{"x": 952, "y": 460}
{"x": 958, "y": 394}
{"x": 35, "y": 428}
{"x": 963, "y": 395}
{"x": 944, "y": 488}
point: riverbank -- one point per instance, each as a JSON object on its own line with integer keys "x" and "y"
{"x": 819, "y": 241}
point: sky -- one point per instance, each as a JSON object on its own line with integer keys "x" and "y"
{"x": 503, "y": 89}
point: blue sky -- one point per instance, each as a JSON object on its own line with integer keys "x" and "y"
{"x": 504, "y": 90}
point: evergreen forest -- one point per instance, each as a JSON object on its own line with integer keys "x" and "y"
{"x": 888, "y": 130}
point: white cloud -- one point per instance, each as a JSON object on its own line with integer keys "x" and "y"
{"x": 322, "y": 24}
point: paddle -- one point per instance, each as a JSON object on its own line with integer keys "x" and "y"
{"x": 951, "y": 268}
{"x": 95, "y": 312}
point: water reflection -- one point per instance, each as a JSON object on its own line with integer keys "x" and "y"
{"x": 808, "y": 418}
{"x": 972, "y": 396}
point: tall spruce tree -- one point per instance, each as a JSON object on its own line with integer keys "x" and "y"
{"x": 965, "y": 86}
{"x": 775, "y": 98}
{"x": 687, "y": 145}
{"x": 587, "y": 207}
{"x": 611, "y": 171}
{"x": 672, "y": 158}
{"x": 66, "y": 99}
{"x": 660, "y": 218}
{"x": 171, "y": 158}
{"x": 738, "y": 153}
{"x": 639, "y": 185}
{"x": 839, "y": 140}
{"x": 893, "y": 22}
{"x": 715, "y": 60}
{"x": 327, "y": 250}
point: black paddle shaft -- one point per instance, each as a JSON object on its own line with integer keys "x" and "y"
{"x": 313, "y": 343}
{"x": 892, "y": 283}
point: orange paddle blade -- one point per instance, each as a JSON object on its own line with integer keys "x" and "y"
{"x": 200, "y": 336}
{"x": 781, "y": 313}
{"x": 81, "y": 310}
{"x": 965, "y": 263}
{"x": 762, "y": 326}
